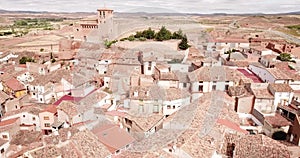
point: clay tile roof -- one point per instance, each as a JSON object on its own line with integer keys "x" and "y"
{"x": 145, "y": 122}
{"x": 281, "y": 87}
{"x": 35, "y": 110}
{"x": 70, "y": 151}
{"x": 3, "y": 97}
{"x": 277, "y": 121}
{"x": 232, "y": 40}
{"x": 175, "y": 93}
{"x": 69, "y": 108}
{"x": 168, "y": 76}
{"x": 277, "y": 73}
{"x": 182, "y": 77}
{"x": 51, "y": 109}
{"x": 47, "y": 151}
{"x": 2, "y": 141}
{"x": 269, "y": 56}
{"x": 215, "y": 73}
{"x": 8, "y": 122}
{"x": 261, "y": 91}
{"x": 237, "y": 90}
{"x": 231, "y": 125}
{"x": 255, "y": 146}
{"x": 14, "y": 84}
{"x": 113, "y": 137}
{"x": 88, "y": 145}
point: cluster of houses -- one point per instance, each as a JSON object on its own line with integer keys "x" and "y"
{"x": 148, "y": 101}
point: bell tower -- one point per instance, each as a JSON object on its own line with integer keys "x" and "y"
{"x": 104, "y": 14}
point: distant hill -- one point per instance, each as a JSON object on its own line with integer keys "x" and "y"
{"x": 139, "y": 12}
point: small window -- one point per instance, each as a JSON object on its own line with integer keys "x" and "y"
{"x": 200, "y": 88}
{"x": 214, "y": 87}
{"x": 4, "y": 136}
{"x": 174, "y": 106}
{"x": 226, "y": 87}
{"x": 16, "y": 106}
{"x": 184, "y": 85}
{"x": 155, "y": 109}
{"x": 168, "y": 106}
{"x": 41, "y": 99}
{"x": 23, "y": 115}
{"x": 2, "y": 151}
{"x": 33, "y": 118}
{"x": 46, "y": 118}
{"x": 47, "y": 124}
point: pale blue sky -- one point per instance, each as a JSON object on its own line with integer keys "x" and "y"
{"x": 182, "y": 6}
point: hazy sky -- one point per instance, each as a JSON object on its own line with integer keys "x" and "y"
{"x": 186, "y": 6}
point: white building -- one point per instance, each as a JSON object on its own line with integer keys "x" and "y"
{"x": 148, "y": 100}
{"x": 29, "y": 116}
{"x": 275, "y": 75}
{"x": 283, "y": 93}
{"x": 207, "y": 79}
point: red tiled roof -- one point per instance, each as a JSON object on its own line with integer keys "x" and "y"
{"x": 115, "y": 113}
{"x": 67, "y": 98}
{"x": 277, "y": 121}
{"x": 113, "y": 137}
{"x": 250, "y": 75}
{"x": 14, "y": 84}
{"x": 232, "y": 40}
{"x": 231, "y": 125}
{"x": 71, "y": 98}
{"x": 8, "y": 122}
{"x": 2, "y": 141}
{"x": 51, "y": 108}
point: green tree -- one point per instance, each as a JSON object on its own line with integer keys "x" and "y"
{"x": 108, "y": 43}
{"x": 139, "y": 34}
{"x": 284, "y": 57}
{"x": 131, "y": 38}
{"x": 163, "y": 34}
{"x": 149, "y": 34}
{"x": 23, "y": 60}
{"x": 183, "y": 45}
{"x": 177, "y": 34}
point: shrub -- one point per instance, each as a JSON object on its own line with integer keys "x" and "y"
{"x": 177, "y": 34}
{"x": 109, "y": 43}
{"x": 163, "y": 34}
{"x": 149, "y": 34}
{"x": 284, "y": 57}
{"x": 23, "y": 60}
{"x": 123, "y": 39}
{"x": 131, "y": 38}
{"x": 142, "y": 39}
{"x": 183, "y": 45}
{"x": 138, "y": 34}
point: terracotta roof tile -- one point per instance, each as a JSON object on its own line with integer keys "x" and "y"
{"x": 277, "y": 121}
{"x": 113, "y": 137}
{"x": 14, "y": 84}
{"x": 280, "y": 87}
{"x": 8, "y": 122}
{"x": 88, "y": 145}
